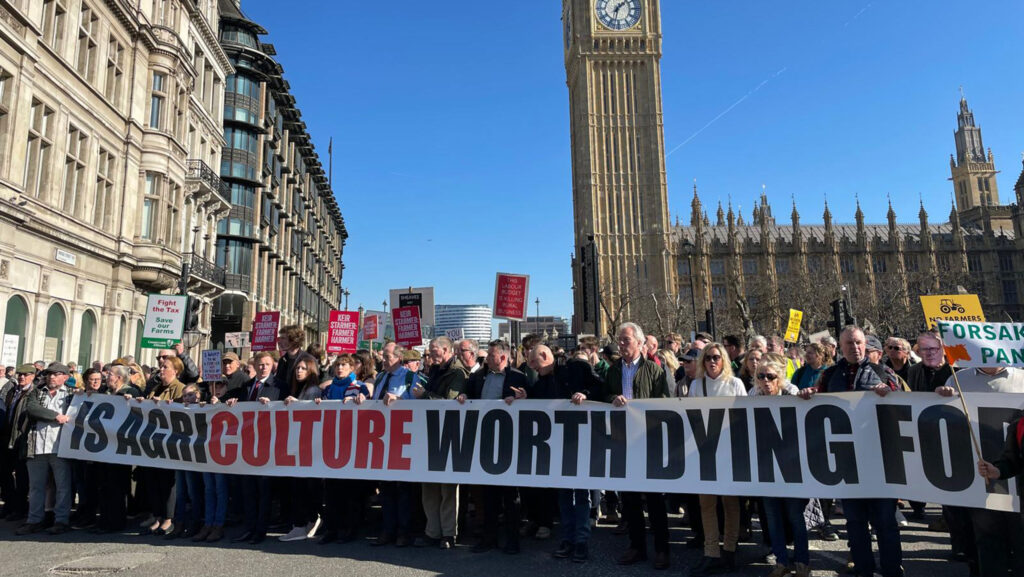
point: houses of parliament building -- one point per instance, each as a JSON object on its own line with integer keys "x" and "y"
{"x": 630, "y": 263}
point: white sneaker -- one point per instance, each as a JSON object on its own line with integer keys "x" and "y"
{"x": 296, "y": 534}
{"x": 312, "y": 527}
{"x": 901, "y": 520}
{"x": 543, "y": 533}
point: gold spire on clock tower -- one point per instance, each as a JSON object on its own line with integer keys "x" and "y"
{"x": 622, "y": 261}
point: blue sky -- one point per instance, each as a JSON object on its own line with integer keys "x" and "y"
{"x": 451, "y": 131}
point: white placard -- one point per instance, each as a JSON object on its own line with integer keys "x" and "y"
{"x": 9, "y": 356}
{"x": 211, "y": 365}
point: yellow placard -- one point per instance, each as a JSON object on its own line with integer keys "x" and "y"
{"x": 966, "y": 308}
{"x": 793, "y": 329}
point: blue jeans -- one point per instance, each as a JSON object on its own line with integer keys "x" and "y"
{"x": 39, "y": 469}
{"x": 574, "y": 506}
{"x": 216, "y": 497}
{"x": 778, "y": 511}
{"x": 881, "y": 513}
{"x": 188, "y": 491}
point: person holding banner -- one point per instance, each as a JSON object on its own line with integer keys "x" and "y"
{"x": 853, "y": 372}
{"x": 302, "y": 494}
{"x": 635, "y": 377}
{"x": 114, "y": 479}
{"x": 158, "y": 483}
{"x": 715, "y": 379}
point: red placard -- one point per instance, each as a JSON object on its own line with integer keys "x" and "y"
{"x": 407, "y": 326}
{"x": 264, "y": 331}
{"x": 370, "y": 327}
{"x": 343, "y": 332}
{"x": 510, "y": 294}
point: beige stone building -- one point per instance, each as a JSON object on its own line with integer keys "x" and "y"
{"x": 620, "y": 201}
{"x": 110, "y": 119}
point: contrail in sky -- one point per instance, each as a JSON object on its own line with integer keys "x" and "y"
{"x": 727, "y": 110}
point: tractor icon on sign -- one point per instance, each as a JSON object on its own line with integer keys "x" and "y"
{"x": 947, "y": 306}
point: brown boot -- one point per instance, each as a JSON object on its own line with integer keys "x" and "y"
{"x": 216, "y": 533}
{"x": 202, "y": 534}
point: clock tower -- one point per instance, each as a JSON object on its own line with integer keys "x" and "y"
{"x": 622, "y": 260}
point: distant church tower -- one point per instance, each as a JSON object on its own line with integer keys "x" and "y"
{"x": 973, "y": 169}
{"x": 620, "y": 202}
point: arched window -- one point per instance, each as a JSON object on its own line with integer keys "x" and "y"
{"x": 17, "y": 324}
{"x": 87, "y": 337}
{"x": 56, "y": 322}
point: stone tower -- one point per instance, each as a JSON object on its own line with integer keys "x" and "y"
{"x": 973, "y": 168}
{"x": 620, "y": 203}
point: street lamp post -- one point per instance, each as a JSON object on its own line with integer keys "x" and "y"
{"x": 345, "y": 293}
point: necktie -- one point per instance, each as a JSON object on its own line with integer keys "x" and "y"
{"x": 384, "y": 387}
{"x": 255, "y": 392}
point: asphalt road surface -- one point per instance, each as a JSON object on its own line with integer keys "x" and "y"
{"x": 81, "y": 553}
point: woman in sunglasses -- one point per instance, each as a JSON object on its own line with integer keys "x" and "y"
{"x": 780, "y": 511}
{"x": 715, "y": 379}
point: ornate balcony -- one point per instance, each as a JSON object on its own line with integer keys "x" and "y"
{"x": 198, "y": 172}
{"x": 205, "y": 273}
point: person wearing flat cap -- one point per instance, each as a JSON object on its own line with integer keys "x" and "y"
{"x": 47, "y": 409}
{"x": 13, "y": 442}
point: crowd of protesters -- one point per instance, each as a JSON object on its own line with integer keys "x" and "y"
{"x": 40, "y": 490}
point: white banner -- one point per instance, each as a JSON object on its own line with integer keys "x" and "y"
{"x": 848, "y": 445}
{"x": 983, "y": 344}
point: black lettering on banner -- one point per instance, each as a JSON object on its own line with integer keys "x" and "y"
{"x": 571, "y": 422}
{"x": 893, "y": 443}
{"x": 819, "y": 448}
{"x": 992, "y": 429}
{"x": 608, "y": 447}
{"x": 933, "y": 457}
{"x": 177, "y": 443}
{"x": 739, "y": 437}
{"x": 707, "y": 439}
{"x": 128, "y": 433}
{"x": 452, "y": 440}
{"x": 777, "y": 445}
{"x": 96, "y": 441}
{"x": 534, "y": 433}
{"x": 662, "y": 424}
{"x": 497, "y": 423}
{"x": 199, "y": 440}
{"x": 153, "y": 435}
{"x": 79, "y": 430}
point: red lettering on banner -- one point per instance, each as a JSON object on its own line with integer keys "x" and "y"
{"x": 337, "y": 438}
{"x": 254, "y": 455}
{"x": 227, "y": 453}
{"x": 370, "y": 438}
{"x": 282, "y": 458}
{"x": 305, "y": 419}
{"x": 398, "y": 440}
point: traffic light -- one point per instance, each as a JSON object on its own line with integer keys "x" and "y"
{"x": 192, "y": 313}
{"x": 709, "y": 318}
{"x": 839, "y": 316}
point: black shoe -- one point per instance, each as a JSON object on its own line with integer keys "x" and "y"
{"x": 484, "y": 545}
{"x": 383, "y": 539}
{"x": 402, "y": 541}
{"x": 29, "y": 528}
{"x": 257, "y": 538}
{"x": 447, "y": 543}
{"x": 729, "y": 560}
{"x": 511, "y": 548}
{"x": 243, "y": 537}
{"x": 579, "y": 553}
{"x": 58, "y": 529}
{"x": 175, "y": 533}
{"x": 707, "y": 566}
{"x": 328, "y": 537}
{"x": 564, "y": 551}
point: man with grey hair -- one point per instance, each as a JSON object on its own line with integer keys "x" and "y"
{"x": 897, "y": 356}
{"x": 757, "y": 343}
{"x": 467, "y": 349}
{"x": 635, "y": 377}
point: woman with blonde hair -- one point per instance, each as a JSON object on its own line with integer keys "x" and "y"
{"x": 714, "y": 378}
{"x": 780, "y": 511}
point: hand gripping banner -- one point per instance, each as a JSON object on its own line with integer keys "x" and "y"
{"x": 910, "y": 445}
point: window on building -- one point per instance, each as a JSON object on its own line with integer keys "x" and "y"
{"x": 115, "y": 72}
{"x": 781, "y": 266}
{"x": 86, "y": 49}
{"x": 973, "y": 262}
{"x": 158, "y": 100}
{"x": 74, "y": 171}
{"x": 1010, "y": 292}
{"x": 150, "y": 206}
{"x": 878, "y": 264}
{"x": 172, "y": 228}
{"x": 54, "y": 19}
{"x": 943, "y": 262}
{"x": 40, "y": 146}
{"x": 103, "y": 209}
{"x": 846, "y": 265}
{"x": 912, "y": 263}
{"x": 750, "y": 266}
{"x": 814, "y": 265}
{"x": 6, "y": 98}
{"x": 717, "y": 266}
{"x": 718, "y": 293}
{"x": 1006, "y": 262}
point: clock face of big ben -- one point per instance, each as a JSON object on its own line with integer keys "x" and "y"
{"x": 618, "y": 14}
